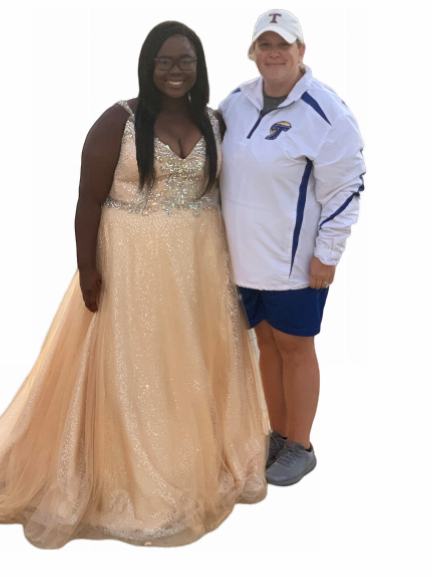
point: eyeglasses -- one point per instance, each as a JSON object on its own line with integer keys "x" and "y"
{"x": 184, "y": 64}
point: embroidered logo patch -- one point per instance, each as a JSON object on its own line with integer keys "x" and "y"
{"x": 277, "y": 129}
{"x": 274, "y": 17}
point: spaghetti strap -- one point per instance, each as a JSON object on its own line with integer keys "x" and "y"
{"x": 126, "y": 106}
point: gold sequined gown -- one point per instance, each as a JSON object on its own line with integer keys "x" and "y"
{"x": 143, "y": 422}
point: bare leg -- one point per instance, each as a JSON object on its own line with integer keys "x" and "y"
{"x": 271, "y": 373}
{"x": 301, "y": 384}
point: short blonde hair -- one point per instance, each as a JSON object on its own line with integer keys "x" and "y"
{"x": 299, "y": 43}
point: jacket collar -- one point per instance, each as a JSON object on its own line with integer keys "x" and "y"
{"x": 253, "y": 90}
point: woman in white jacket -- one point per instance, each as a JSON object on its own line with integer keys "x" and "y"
{"x": 291, "y": 182}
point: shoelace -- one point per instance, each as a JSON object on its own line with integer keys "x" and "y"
{"x": 289, "y": 455}
{"x": 277, "y": 444}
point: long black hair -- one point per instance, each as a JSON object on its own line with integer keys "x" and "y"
{"x": 150, "y": 98}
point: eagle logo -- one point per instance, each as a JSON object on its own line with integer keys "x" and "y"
{"x": 277, "y": 129}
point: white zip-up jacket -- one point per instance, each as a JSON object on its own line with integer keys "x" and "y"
{"x": 290, "y": 182}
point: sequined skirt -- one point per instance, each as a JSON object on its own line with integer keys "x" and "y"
{"x": 144, "y": 422}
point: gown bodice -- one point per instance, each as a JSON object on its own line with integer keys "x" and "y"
{"x": 178, "y": 184}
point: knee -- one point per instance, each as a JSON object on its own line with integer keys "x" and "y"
{"x": 293, "y": 347}
{"x": 268, "y": 349}
{"x": 266, "y": 341}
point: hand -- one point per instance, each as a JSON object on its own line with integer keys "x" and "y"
{"x": 320, "y": 274}
{"x": 90, "y": 283}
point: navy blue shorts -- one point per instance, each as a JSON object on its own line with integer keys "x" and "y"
{"x": 295, "y": 312}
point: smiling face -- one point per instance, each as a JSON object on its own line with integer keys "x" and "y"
{"x": 276, "y": 59}
{"x": 175, "y": 83}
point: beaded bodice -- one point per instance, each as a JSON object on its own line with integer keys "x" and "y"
{"x": 178, "y": 182}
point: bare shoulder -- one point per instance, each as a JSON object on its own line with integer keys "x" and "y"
{"x": 101, "y": 153}
{"x": 109, "y": 126}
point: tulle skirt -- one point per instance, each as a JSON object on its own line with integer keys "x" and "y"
{"x": 145, "y": 421}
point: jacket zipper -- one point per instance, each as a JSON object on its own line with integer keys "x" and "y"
{"x": 261, "y": 116}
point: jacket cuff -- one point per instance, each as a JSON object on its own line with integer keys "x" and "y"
{"x": 327, "y": 256}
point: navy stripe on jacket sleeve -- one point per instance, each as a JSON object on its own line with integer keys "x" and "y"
{"x": 312, "y": 102}
{"x": 346, "y": 203}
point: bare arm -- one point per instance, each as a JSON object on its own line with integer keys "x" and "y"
{"x": 99, "y": 160}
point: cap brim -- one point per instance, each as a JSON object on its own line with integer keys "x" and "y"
{"x": 250, "y": 52}
{"x": 290, "y": 38}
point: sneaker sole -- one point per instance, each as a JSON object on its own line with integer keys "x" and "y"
{"x": 292, "y": 481}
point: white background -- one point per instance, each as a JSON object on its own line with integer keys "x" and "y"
{"x": 376, "y": 505}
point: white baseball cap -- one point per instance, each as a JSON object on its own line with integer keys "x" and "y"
{"x": 280, "y": 21}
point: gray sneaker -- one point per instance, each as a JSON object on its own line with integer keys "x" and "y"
{"x": 277, "y": 443}
{"x": 292, "y": 464}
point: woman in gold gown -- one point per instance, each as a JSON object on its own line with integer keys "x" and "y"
{"x": 142, "y": 418}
